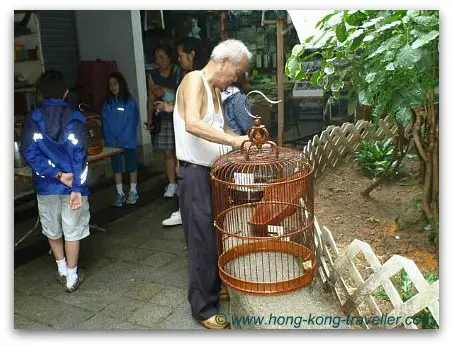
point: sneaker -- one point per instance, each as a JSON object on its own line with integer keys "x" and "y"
{"x": 132, "y": 198}
{"x": 170, "y": 190}
{"x": 60, "y": 279}
{"x": 78, "y": 282}
{"x": 174, "y": 219}
{"x": 119, "y": 200}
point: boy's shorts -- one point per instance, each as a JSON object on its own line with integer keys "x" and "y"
{"x": 130, "y": 158}
{"x": 57, "y": 219}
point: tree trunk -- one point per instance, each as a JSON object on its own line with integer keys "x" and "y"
{"x": 430, "y": 192}
{"x": 427, "y": 144}
{"x": 428, "y": 184}
{"x": 417, "y": 137}
{"x": 435, "y": 190}
{"x": 417, "y": 132}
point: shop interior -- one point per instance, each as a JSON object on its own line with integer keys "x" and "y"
{"x": 306, "y": 113}
{"x": 64, "y": 39}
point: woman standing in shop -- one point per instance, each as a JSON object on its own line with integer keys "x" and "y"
{"x": 191, "y": 57}
{"x": 162, "y": 83}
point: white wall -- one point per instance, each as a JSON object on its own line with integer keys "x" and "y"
{"x": 305, "y": 23}
{"x": 116, "y": 35}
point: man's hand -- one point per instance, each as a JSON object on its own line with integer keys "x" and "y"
{"x": 75, "y": 200}
{"x": 238, "y": 140}
{"x": 67, "y": 178}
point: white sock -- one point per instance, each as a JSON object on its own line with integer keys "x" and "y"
{"x": 62, "y": 266}
{"x": 119, "y": 189}
{"x": 71, "y": 277}
{"x": 134, "y": 187}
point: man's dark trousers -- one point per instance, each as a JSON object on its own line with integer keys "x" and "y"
{"x": 196, "y": 211}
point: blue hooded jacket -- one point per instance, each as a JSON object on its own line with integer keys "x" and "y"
{"x": 54, "y": 139}
{"x": 119, "y": 123}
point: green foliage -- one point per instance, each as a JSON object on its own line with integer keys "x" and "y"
{"x": 391, "y": 58}
{"x": 376, "y": 157}
{"x": 406, "y": 291}
{"x": 432, "y": 235}
{"x": 416, "y": 204}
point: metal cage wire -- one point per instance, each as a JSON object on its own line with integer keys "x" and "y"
{"x": 263, "y": 214}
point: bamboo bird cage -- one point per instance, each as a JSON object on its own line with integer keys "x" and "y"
{"x": 263, "y": 214}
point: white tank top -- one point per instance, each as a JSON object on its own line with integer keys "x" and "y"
{"x": 193, "y": 149}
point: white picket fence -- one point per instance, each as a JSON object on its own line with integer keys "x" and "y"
{"x": 354, "y": 280}
{"x": 355, "y": 291}
{"x": 336, "y": 144}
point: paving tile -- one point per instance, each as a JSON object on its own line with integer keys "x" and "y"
{"x": 170, "y": 233}
{"x": 150, "y": 315}
{"x": 37, "y": 266}
{"x": 180, "y": 319}
{"x": 173, "y": 274}
{"x": 70, "y": 318}
{"x": 100, "y": 321}
{"x": 123, "y": 237}
{"x": 35, "y": 274}
{"x": 38, "y": 308}
{"x": 122, "y": 308}
{"x": 117, "y": 278}
{"x": 97, "y": 261}
{"x": 93, "y": 302}
{"x": 144, "y": 291}
{"x": 129, "y": 255}
{"x": 47, "y": 289}
{"x": 136, "y": 278}
{"x": 170, "y": 296}
{"x": 21, "y": 322}
{"x": 169, "y": 246}
{"x": 159, "y": 259}
{"x": 144, "y": 273}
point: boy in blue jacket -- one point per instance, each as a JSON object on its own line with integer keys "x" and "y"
{"x": 119, "y": 123}
{"x": 54, "y": 144}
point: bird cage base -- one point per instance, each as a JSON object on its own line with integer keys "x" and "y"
{"x": 268, "y": 288}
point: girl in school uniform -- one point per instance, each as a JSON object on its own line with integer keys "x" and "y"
{"x": 120, "y": 119}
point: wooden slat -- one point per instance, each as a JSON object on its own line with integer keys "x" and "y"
{"x": 430, "y": 297}
{"x": 337, "y": 144}
{"x": 363, "y": 291}
{"x": 328, "y": 150}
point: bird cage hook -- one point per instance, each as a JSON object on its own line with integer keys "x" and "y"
{"x": 264, "y": 96}
{"x": 258, "y": 134}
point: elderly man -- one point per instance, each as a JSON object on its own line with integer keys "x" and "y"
{"x": 200, "y": 139}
